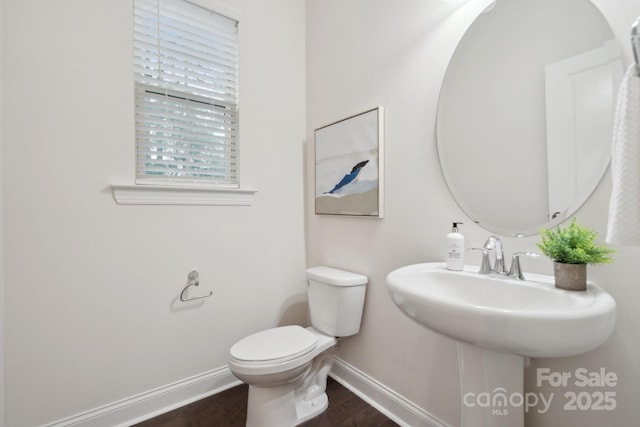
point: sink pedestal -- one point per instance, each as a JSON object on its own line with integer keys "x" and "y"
{"x": 491, "y": 385}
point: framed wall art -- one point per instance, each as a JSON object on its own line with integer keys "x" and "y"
{"x": 349, "y": 166}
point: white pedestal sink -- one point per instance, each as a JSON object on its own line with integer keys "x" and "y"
{"x": 499, "y": 322}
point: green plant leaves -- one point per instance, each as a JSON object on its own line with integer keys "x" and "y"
{"x": 574, "y": 245}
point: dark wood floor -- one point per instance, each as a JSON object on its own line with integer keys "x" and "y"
{"x": 229, "y": 409}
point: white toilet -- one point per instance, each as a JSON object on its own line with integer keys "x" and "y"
{"x": 287, "y": 367}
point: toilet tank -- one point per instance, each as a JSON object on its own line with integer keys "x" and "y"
{"x": 336, "y": 300}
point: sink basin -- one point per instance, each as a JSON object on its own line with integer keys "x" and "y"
{"x": 498, "y": 322}
{"x": 529, "y": 318}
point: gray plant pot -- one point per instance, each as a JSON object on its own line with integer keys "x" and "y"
{"x": 572, "y": 277}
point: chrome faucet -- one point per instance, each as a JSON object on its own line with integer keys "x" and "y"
{"x": 494, "y": 244}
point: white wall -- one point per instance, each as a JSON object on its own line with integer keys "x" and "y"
{"x": 91, "y": 311}
{"x": 364, "y": 53}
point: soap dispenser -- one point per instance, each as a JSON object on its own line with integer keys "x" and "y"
{"x": 455, "y": 249}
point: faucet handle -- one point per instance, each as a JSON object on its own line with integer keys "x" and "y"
{"x": 485, "y": 267}
{"x": 515, "y": 270}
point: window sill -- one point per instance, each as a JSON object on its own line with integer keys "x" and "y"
{"x": 164, "y": 195}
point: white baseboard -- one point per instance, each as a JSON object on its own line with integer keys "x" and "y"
{"x": 385, "y": 400}
{"x": 147, "y": 405}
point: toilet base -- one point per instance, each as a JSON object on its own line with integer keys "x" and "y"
{"x": 294, "y": 402}
{"x": 277, "y": 406}
{"x": 307, "y": 409}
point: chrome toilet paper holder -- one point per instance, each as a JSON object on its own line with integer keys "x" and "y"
{"x": 193, "y": 279}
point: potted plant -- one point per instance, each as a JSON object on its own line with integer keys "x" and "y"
{"x": 571, "y": 248}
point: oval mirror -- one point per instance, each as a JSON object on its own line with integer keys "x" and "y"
{"x": 525, "y": 113}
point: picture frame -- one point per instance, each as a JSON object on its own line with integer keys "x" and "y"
{"x": 349, "y": 166}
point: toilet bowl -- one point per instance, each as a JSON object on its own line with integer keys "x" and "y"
{"x": 287, "y": 367}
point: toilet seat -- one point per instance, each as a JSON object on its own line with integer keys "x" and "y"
{"x": 274, "y": 345}
{"x": 277, "y": 350}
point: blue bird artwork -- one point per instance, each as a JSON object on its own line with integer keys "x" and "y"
{"x": 349, "y": 178}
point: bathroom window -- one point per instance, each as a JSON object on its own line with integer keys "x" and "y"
{"x": 186, "y": 102}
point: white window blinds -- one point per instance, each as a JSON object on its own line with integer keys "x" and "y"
{"x": 185, "y": 72}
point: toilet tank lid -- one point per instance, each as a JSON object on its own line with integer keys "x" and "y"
{"x": 336, "y": 277}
